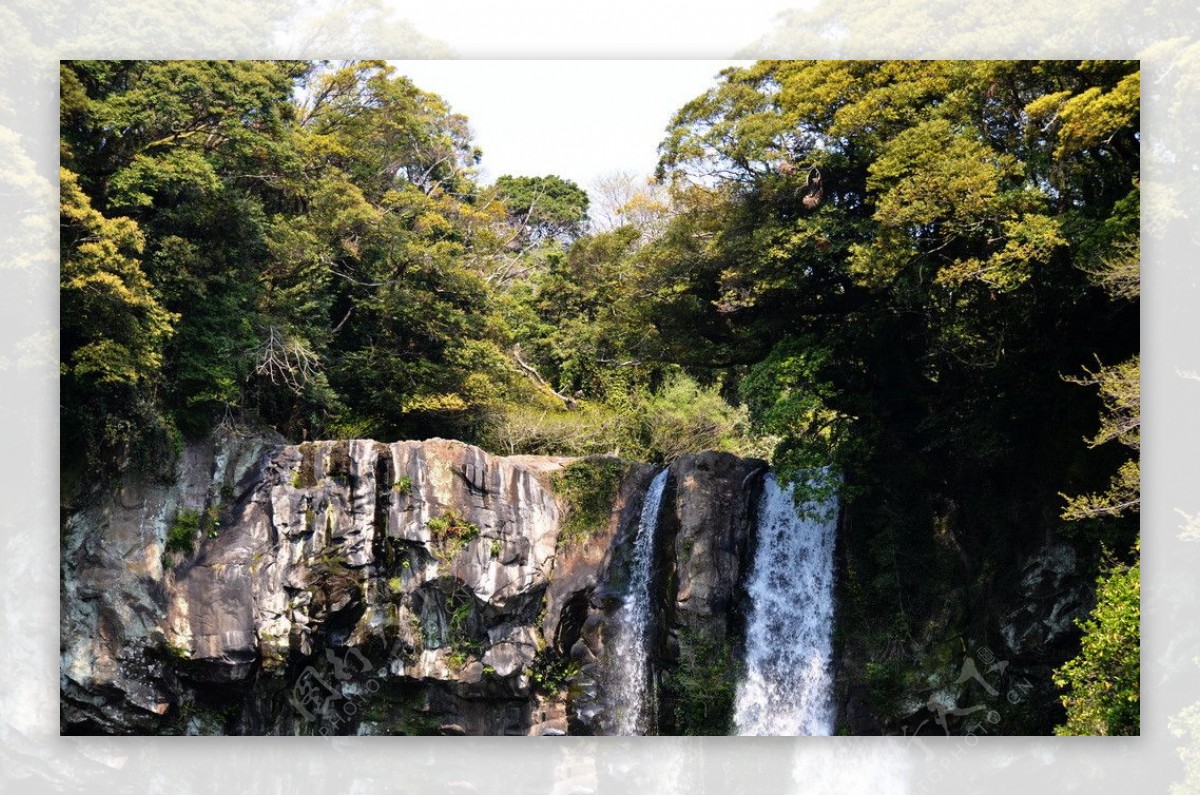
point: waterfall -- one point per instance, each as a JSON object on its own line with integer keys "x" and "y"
{"x": 788, "y": 683}
{"x": 629, "y": 676}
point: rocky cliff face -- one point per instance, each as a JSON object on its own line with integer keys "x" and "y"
{"x": 431, "y": 588}
{"x": 411, "y": 588}
{"x": 986, "y": 645}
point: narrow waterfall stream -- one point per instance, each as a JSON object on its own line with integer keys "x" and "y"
{"x": 631, "y": 694}
{"x": 787, "y": 689}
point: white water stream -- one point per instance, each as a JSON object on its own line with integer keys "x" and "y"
{"x": 631, "y": 692}
{"x": 787, "y": 689}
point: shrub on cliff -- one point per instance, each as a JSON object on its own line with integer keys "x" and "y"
{"x": 1103, "y": 683}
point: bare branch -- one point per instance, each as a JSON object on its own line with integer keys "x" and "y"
{"x": 286, "y": 361}
{"x": 537, "y": 377}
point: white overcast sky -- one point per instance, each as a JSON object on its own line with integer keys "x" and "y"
{"x": 576, "y": 119}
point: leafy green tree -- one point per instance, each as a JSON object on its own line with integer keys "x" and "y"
{"x": 113, "y": 327}
{"x": 192, "y": 151}
{"x": 544, "y": 208}
{"x": 316, "y": 231}
{"x": 584, "y": 332}
{"x": 415, "y": 338}
{"x": 910, "y": 223}
{"x": 1103, "y": 682}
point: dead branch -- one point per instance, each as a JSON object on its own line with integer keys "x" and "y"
{"x": 532, "y": 372}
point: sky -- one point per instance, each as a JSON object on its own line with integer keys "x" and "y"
{"x": 576, "y": 119}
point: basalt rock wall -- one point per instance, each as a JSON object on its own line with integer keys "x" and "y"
{"x": 367, "y": 588}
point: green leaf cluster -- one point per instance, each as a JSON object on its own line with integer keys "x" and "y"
{"x": 544, "y": 208}
{"x": 450, "y": 534}
{"x": 551, "y": 672}
{"x": 182, "y": 532}
{"x": 1103, "y": 682}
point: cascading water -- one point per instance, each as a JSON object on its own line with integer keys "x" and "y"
{"x": 787, "y": 689}
{"x": 629, "y": 676}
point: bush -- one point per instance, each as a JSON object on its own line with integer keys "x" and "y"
{"x": 683, "y": 417}
{"x": 451, "y": 533}
{"x": 181, "y": 535}
{"x": 459, "y": 633}
{"x": 588, "y": 488}
{"x": 590, "y": 428}
{"x": 1103, "y": 693}
{"x": 551, "y": 672}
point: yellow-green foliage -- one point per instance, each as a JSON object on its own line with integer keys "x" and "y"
{"x": 451, "y": 532}
{"x": 1091, "y": 116}
{"x": 1120, "y": 420}
{"x": 463, "y": 646}
{"x": 589, "y": 428}
{"x": 1103, "y": 682}
{"x": 684, "y": 417}
{"x": 109, "y": 304}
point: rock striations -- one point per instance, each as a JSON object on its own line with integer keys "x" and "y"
{"x": 355, "y": 587}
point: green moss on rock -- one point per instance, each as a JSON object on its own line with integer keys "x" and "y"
{"x": 701, "y": 686}
{"x": 588, "y": 489}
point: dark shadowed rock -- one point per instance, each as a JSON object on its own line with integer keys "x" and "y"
{"x": 709, "y": 535}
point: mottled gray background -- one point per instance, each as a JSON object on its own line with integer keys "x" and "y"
{"x": 34, "y": 35}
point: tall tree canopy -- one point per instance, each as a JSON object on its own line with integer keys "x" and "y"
{"x": 923, "y": 230}
{"x": 304, "y": 242}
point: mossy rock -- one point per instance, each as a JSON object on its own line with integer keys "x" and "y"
{"x": 339, "y": 462}
{"x": 588, "y": 489}
{"x": 306, "y": 477}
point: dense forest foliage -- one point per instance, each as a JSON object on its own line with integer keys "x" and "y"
{"x": 923, "y": 275}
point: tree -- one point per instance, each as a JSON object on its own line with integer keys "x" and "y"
{"x": 544, "y": 208}
{"x": 1103, "y": 682}
{"x": 410, "y": 240}
{"x": 623, "y": 198}
{"x": 1120, "y": 390}
{"x": 193, "y": 152}
{"x": 113, "y": 327}
{"x": 315, "y": 229}
{"x": 911, "y": 220}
